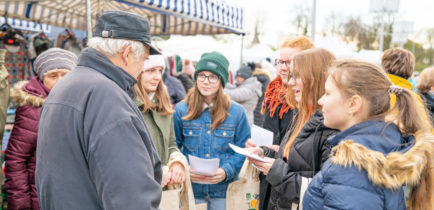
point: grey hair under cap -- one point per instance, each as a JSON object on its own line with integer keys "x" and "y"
{"x": 54, "y": 58}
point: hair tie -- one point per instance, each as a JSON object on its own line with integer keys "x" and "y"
{"x": 395, "y": 90}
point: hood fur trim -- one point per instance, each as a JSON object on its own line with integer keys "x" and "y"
{"x": 21, "y": 97}
{"x": 391, "y": 171}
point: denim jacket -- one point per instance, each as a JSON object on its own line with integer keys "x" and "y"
{"x": 195, "y": 137}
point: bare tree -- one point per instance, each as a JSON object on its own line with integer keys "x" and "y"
{"x": 302, "y": 18}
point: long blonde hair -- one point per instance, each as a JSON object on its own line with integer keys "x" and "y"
{"x": 312, "y": 67}
{"x": 163, "y": 105}
{"x": 196, "y": 102}
{"x": 354, "y": 77}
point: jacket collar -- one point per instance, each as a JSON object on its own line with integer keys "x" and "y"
{"x": 399, "y": 81}
{"x": 94, "y": 59}
{"x": 375, "y": 135}
{"x": 31, "y": 92}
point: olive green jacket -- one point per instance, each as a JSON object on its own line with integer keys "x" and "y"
{"x": 4, "y": 92}
{"x": 162, "y": 132}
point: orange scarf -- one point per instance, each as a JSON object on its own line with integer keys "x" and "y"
{"x": 275, "y": 96}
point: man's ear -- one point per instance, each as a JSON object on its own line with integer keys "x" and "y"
{"x": 355, "y": 104}
{"x": 125, "y": 54}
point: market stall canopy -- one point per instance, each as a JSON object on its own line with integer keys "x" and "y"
{"x": 186, "y": 17}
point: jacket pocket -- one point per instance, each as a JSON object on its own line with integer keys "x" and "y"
{"x": 223, "y": 137}
{"x": 192, "y": 138}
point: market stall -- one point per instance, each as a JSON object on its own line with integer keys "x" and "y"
{"x": 186, "y": 17}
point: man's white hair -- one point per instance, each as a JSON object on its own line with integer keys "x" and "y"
{"x": 113, "y": 46}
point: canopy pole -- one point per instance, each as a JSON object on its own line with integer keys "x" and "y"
{"x": 89, "y": 19}
{"x": 242, "y": 46}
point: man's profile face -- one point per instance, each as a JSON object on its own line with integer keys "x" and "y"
{"x": 136, "y": 66}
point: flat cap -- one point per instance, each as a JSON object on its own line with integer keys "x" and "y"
{"x": 124, "y": 25}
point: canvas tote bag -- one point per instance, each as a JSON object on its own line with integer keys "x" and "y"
{"x": 243, "y": 194}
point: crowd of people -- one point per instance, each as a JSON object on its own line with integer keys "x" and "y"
{"x": 112, "y": 129}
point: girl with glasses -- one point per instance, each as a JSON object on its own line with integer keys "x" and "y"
{"x": 303, "y": 149}
{"x": 205, "y": 123}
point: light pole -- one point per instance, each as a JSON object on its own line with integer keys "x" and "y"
{"x": 312, "y": 35}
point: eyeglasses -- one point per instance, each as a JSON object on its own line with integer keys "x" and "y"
{"x": 211, "y": 78}
{"x": 279, "y": 62}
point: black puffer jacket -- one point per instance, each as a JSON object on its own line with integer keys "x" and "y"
{"x": 309, "y": 151}
{"x": 279, "y": 127}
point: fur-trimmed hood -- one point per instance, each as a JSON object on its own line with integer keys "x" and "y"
{"x": 31, "y": 92}
{"x": 411, "y": 165}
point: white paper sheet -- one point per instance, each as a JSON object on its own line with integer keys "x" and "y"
{"x": 246, "y": 153}
{"x": 261, "y": 136}
{"x": 204, "y": 166}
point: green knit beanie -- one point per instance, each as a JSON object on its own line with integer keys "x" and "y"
{"x": 216, "y": 63}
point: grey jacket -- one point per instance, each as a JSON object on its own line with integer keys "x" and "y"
{"x": 94, "y": 150}
{"x": 246, "y": 94}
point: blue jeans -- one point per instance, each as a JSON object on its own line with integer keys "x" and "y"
{"x": 213, "y": 203}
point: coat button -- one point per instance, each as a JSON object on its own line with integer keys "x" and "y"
{"x": 224, "y": 133}
{"x": 191, "y": 132}
{"x": 207, "y": 155}
{"x": 208, "y": 132}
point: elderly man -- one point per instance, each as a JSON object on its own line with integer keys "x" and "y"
{"x": 94, "y": 150}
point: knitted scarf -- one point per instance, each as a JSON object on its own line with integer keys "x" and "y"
{"x": 275, "y": 96}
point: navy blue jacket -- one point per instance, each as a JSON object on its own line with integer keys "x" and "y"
{"x": 340, "y": 187}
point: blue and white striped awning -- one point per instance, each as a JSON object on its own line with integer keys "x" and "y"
{"x": 26, "y": 25}
{"x": 185, "y": 17}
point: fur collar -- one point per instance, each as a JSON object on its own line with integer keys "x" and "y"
{"x": 21, "y": 97}
{"x": 413, "y": 168}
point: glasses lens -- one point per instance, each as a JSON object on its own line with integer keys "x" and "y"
{"x": 201, "y": 77}
{"x": 213, "y": 78}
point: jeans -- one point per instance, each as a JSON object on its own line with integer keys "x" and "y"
{"x": 213, "y": 203}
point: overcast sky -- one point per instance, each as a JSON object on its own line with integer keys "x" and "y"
{"x": 277, "y": 15}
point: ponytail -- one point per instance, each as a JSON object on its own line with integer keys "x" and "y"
{"x": 409, "y": 113}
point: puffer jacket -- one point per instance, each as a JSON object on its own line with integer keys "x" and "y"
{"x": 362, "y": 172}
{"x": 308, "y": 153}
{"x": 20, "y": 155}
{"x": 246, "y": 94}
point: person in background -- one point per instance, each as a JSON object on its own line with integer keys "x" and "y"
{"x": 304, "y": 148}
{"x": 20, "y": 155}
{"x": 4, "y": 96}
{"x": 186, "y": 75}
{"x": 399, "y": 66}
{"x": 205, "y": 123}
{"x": 372, "y": 158}
{"x": 264, "y": 78}
{"x": 246, "y": 91}
{"x": 94, "y": 149}
{"x": 426, "y": 89}
{"x": 174, "y": 86}
{"x": 277, "y": 110}
{"x": 4, "y": 103}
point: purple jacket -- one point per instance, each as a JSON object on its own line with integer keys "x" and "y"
{"x": 20, "y": 155}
